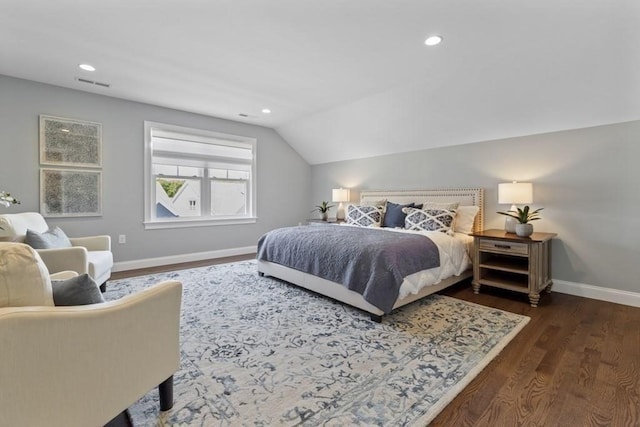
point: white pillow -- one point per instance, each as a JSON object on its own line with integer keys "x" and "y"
{"x": 379, "y": 203}
{"x": 465, "y": 217}
{"x": 364, "y": 216}
{"x": 439, "y": 205}
{"x": 24, "y": 279}
{"x": 429, "y": 219}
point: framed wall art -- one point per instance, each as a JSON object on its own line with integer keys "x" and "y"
{"x": 70, "y": 192}
{"x": 70, "y": 142}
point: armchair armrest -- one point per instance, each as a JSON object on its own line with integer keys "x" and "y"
{"x": 84, "y": 365}
{"x": 63, "y": 275}
{"x": 93, "y": 243}
{"x": 60, "y": 259}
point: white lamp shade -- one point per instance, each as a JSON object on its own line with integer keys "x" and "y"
{"x": 341, "y": 195}
{"x": 515, "y": 193}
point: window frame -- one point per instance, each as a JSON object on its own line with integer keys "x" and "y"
{"x": 151, "y": 222}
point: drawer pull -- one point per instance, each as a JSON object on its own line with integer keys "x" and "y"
{"x": 502, "y": 246}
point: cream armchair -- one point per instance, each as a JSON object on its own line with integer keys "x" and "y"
{"x": 90, "y": 255}
{"x": 81, "y": 365}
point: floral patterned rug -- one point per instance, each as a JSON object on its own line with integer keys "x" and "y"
{"x": 257, "y": 351}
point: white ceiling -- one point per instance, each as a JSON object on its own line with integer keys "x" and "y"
{"x": 345, "y": 78}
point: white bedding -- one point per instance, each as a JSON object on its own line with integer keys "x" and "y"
{"x": 454, "y": 259}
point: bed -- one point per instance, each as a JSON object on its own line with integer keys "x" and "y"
{"x": 454, "y": 250}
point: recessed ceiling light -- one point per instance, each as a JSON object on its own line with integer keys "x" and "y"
{"x": 433, "y": 40}
{"x": 266, "y": 111}
{"x": 87, "y": 67}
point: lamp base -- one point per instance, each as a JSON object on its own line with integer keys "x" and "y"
{"x": 340, "y": 212}
{"x": 509, "y": 222}
{"x": 510, "y": 225}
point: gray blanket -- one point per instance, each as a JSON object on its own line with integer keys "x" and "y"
{"x": 371, "y": 262}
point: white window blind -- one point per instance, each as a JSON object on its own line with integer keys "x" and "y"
{"x": 197, "y": 177}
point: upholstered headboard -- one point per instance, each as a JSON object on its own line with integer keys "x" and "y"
{"x": 464, "y": 196}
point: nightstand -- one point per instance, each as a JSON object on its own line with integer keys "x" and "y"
{"x": 504, "y": 260}
{"x": 331, "y": 221}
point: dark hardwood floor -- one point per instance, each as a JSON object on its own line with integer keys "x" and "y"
{"x": 181, "y": 266}
{"x": 577, "y": 362}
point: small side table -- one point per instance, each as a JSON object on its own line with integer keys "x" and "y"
{"x": 332, "y": 221}
{"x": 507, "y": 261}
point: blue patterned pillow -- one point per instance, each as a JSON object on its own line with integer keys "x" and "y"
{"x": 429, "y": 219}
{"x": 364, "y": 216}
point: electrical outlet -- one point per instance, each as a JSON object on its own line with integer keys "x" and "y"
{"x": 122, "y": 238}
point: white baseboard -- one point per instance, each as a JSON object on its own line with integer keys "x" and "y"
{"x": 597, "y": 292}
{"x": 562, "y": 286}
{"x": 177, "y": 259}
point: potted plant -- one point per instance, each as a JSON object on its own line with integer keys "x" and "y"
{"x": 6, "y": 200}
{"x": 523, "y": 216}
{"x": 323, "y": 208}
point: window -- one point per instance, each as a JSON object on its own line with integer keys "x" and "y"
{"x": 197, "y": 177}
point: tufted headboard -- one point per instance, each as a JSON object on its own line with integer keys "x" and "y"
{"x": 464, "y": 196}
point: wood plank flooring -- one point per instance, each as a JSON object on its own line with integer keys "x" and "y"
{"x": 577, "y": 362}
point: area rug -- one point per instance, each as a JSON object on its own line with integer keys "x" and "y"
{"x": 256, "y": 351}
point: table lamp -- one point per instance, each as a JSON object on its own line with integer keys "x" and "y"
{"x": 340, "y": 195}
{"x": 514, "y": 193}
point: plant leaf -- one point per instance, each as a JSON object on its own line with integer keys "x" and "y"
{"x": 509, "y": 214}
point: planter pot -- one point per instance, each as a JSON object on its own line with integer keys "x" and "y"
{"x": 524, "y": 230}
{"x": 325, "y": 216}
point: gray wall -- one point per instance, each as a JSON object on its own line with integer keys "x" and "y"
{"x": 281, "y": 171}
{"x": 587, "y": 180}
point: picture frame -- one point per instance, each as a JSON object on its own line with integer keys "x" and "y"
{"x": 70, "y": 192}
{"x": 70, "y": 142}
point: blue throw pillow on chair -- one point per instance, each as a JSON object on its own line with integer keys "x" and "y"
{"x": 79, "y": 290}
{"x": 54, "y": 238}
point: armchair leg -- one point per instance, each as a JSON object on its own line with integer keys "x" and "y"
{"x": 375, "y": 318}
{"x": 165, "y": 390}
{"x": 123, "y": 419}
{"x": 103, "y": 287}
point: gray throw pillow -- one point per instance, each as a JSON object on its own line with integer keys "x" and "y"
{"x": 394, "y": 217}
{"x": 79, "y": 290}
{"x": 54, "y": 238}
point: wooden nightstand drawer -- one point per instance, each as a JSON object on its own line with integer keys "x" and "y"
{"x": 503, "y": 247}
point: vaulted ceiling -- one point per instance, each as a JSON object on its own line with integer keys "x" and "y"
{"x": 345, "y": 79}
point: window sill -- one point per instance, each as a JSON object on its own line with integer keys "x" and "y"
{"x": 206, "y": 222}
